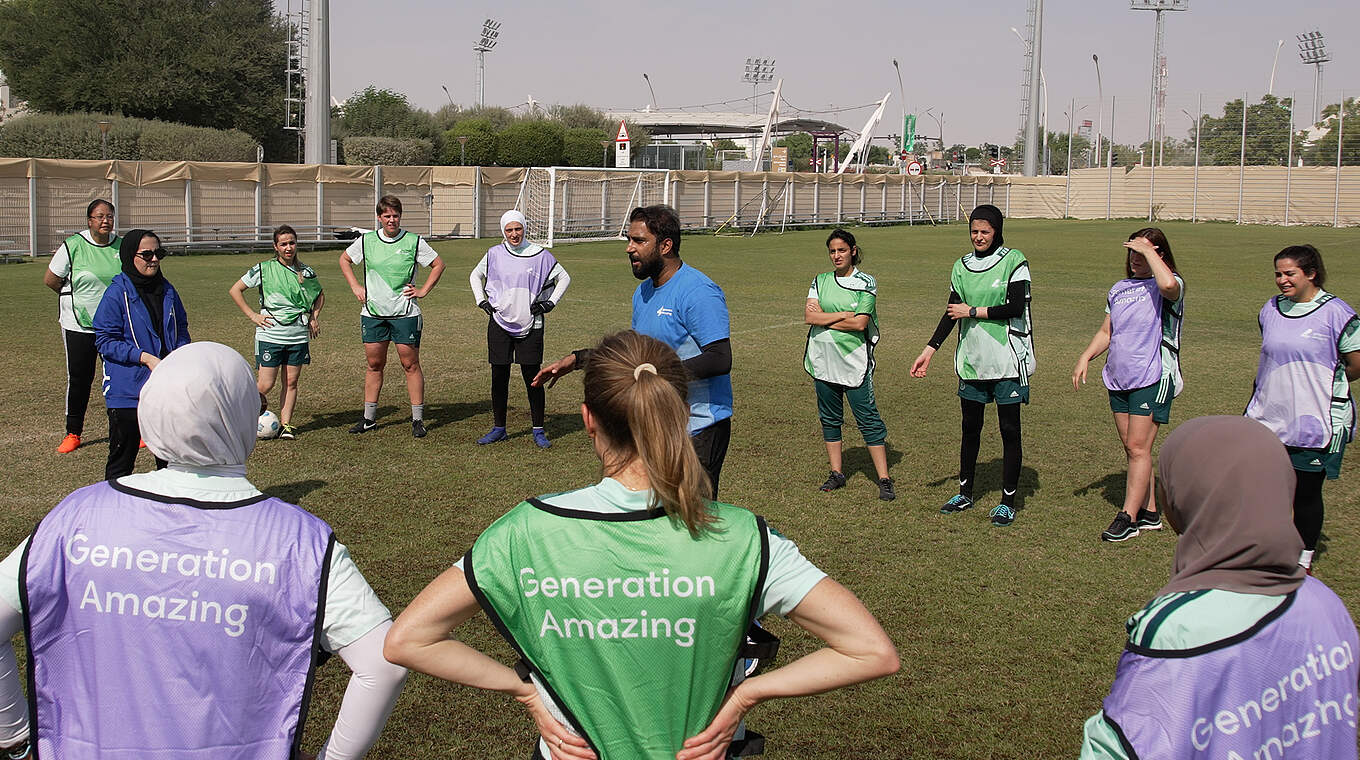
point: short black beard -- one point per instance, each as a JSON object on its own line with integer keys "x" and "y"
{"x": 648, "y": 271}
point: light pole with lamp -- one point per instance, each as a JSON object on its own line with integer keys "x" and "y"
{"x": 757, "y": 70}
{"x": 1313, "y": 52}
{"x": 1043, "y": 123}
{"x": 445, "y": 88}
{"x": 1100, "y": 108}
{"x": 939, "y": 125}
{"x": 1194, "y": 192}
{"x": 462, "y": 150}
{"x": 604, "y": 145}
{"x": 104, "y": 127}
{"x": 648, "y": 80}
{"x": 491, "y": 32}
{"x": 902, "y": 146}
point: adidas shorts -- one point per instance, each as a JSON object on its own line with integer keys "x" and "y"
{"x": 1316, "y": 460}
{"x": 1141, "y": 402}
{"x": 404, "y": 330}
{"x": 279, "y": 354}
{"x": 1007, "y": 391}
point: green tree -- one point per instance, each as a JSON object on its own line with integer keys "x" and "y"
{"x": 213, "y": 64}
{"x": 385, "y": 113}
{"x": 1322, "y": 151}
{"x": 530, "y": 143}
{"x": 1267, "y": 141}
{"x": 800, "y": 151}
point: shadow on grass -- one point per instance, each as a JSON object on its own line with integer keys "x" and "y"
{"x": 439, "y": 415}
{"x": 858, "y": 460}
{"x": 555, "y": 425}
{"x": 347, "y": 418}
{"x": 293, "y": 493}
{"x": 1112, "y": 488}
{"x": 987, "y": 476}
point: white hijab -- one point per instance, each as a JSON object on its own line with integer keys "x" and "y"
{"x": 525, "y": 247}
{"x": 200, "y": 408}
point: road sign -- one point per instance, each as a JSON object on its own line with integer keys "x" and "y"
{"x": 623, "y": 132}
{"x": 914, "y": 168}
{"x": 997, "y": 162}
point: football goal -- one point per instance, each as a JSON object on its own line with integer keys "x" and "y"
{"x": 573, "y": 205}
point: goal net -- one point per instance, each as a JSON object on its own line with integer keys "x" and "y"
{"x": 570, "y": 205}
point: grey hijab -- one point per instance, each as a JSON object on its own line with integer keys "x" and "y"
{"x": 200, "y": 407}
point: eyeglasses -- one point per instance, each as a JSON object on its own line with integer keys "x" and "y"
{"x": 102, "y": 217}
{"x": 155, "y": 255}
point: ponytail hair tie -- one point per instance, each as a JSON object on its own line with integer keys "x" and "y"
{"x": 644, "y": 367}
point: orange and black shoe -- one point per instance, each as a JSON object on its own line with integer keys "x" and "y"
{"x": 68, "y": 444}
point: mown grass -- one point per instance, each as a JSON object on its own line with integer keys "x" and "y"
{"x": 1008, "y": 637}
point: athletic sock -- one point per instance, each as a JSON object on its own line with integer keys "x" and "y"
{"x": 1008, "y": 496}
{"x": 966, "y": 487}
{"x": 370, "y": 410}
{"x": 1306, "y": 558}
{"x": 417, "y": 411}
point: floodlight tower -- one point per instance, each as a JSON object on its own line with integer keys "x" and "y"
{"x": 1313, "y": 52}
{"x": 491, "y": 31}
{"x": 1033, "y": 71}
{"x": 1157, "y": 100}
{"x": 758, "y": 70}
{"x": 317, "y": 120}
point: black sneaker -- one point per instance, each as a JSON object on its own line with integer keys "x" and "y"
{"x": 886, "y": 492}
{"x": 1148, "y": 520}
{"x": 417, "y": 428}
{"x": 957, "y": 503}
{"x": 288, "y": 433}
{"x": 833, "y": 481}
{"x": 18, "y": 751}
{"x": 1122, "y": 529}
{"x": 1002, "y": 515}
{"x": 363, "y": 425}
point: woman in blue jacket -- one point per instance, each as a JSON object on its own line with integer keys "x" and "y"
{"x": 139, "y": 322}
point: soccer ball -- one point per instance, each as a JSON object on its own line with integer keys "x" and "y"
{"x": 268, "y": 426}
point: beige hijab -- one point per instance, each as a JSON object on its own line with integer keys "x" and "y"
{"x": 1230, "y": 486}
{"x": 199, "y": 408}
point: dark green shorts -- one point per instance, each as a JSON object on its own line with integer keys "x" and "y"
{"x": 1142, "y": 402}
{"x": 1007, "y": 391}
{"x": 404, "y": 330}
{"x": 278, "y": 354}
{"x": 1317, "y": 460}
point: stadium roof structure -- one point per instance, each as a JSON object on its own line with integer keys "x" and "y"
{"x": 698, "y": 123}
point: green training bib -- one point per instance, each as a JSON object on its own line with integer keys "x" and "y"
{"x": 632, "y": 626}
{"x": 92, "y": 269}
{"x": 992, "y": 349}
{"x": 837, "y": 356}
{"x": 388, "y": 268}
{"x": 285, "y": 293}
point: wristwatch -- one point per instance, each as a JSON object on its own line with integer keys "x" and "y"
{"x": 972, "y": 311}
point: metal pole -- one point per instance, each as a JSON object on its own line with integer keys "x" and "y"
{"x": 1067, "y": 189}
{"x": 1289, "y": 163}
{"x": 188, "y": 211}
{"x": 1194, "y": 193}
{"x": 1100, "y": 110}
{"x": 317, "y": 147}
{"x": 1271, "y": 89}
{"x": 1242, "y": 161}
{"x": 1336, "y": 196}
{"x": 1152, "y": 98}
{"x": 32, "y": 209}
{"x": 1032, "y": 120}
{"x": 1109, "y": 163}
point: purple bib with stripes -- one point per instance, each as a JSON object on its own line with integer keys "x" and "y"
{"x": 163, "y": 630}
{"x": 1135, "y": 357}
{"x": 1284, "y": 689}
{"x": 512, "y": 284}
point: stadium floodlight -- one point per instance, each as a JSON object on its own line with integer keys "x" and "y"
{"x": 757, "y": 70}
{"x": 1032, "y": 80}
{"x": 491, "y": 32}
{"x": 1313, "y": 52}
{"x": 1157, "y": 101}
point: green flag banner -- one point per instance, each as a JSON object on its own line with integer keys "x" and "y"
{"x": 909, "y": 132}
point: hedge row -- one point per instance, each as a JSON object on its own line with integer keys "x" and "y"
{"x": 77, "y": 135}
{"x": 387, "y": 151}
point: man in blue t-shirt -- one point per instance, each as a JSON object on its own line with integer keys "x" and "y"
{"x": 681, "y": 307}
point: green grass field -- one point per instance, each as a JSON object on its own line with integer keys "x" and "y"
{"x": 1008, "y": 637}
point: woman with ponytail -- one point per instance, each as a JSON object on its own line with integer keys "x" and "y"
{"x": 642, "y": 583}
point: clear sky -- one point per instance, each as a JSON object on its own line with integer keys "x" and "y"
{"x": 958, "y": 58}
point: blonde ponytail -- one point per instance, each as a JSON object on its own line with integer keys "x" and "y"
{"x": 635, "y": 387}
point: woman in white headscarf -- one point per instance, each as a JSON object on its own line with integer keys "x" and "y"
{"x": 516, "y": 283}
{"x": 220, "y": 599}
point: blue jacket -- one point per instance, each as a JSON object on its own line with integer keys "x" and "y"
{"x": 123, "y": 330}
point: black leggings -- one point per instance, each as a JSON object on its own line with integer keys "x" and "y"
{"x": 500, "y": 392}
{"x": 1308, "y": 506}
{"x": 125, "y": 438}
{"x": 1009, "y": 417}
{"x": 80, "y": 356}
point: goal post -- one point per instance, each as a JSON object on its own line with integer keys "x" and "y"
{"x": 575, "y": 205}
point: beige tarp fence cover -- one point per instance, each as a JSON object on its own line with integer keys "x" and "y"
{"x": 191, "y": 203}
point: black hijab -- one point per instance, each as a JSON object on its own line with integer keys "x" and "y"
{"x": 991, "y": 215}
{"x": 151, "y": 288}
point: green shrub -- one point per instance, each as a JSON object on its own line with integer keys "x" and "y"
{"x": 387, "y": 151}
{"x": 76, "y": 135}
{"x": 530, "y": 143}
{"x": 481, "y": 143}
{"x": 581, "y": 146}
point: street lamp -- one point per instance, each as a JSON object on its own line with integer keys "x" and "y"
{"x": 939, "y": 124}
{"x": 1271, "y": 90}
{"x": 445, "y": 88}
{"x": 902, "y": 146}
{"x": 1313, "y": 52}
{"x": 462, "y": 150}
{"x": 491, "y": 32}
{"x": 104, "y": 127}
{"x": 757, "y": 70}
{"x": 648, "y": 80}
{"x": 1100, "y": 109}
{"x": 604, "y": 145}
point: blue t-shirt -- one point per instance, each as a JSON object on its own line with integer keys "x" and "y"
{"x": 687, "y": 313}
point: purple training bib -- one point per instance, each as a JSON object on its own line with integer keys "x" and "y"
{"x": 512, "y": 284}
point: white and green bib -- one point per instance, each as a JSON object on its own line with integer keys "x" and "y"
{"x": 992, "y": 349}
{"x": 92, "y": 269}
{"x": 838, "y": 356}
{"x": 388, "y": 268}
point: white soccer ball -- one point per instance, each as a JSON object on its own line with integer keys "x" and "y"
{"x": 268, "y": 425}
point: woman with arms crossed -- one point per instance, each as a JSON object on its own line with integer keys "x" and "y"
{"x": 289, "y": 317}
{"x": 1310, "y": 354}
{"x": 1142, "y": 331}
{"x": 712, "y": 569}
{"x": 842, "y": 311}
